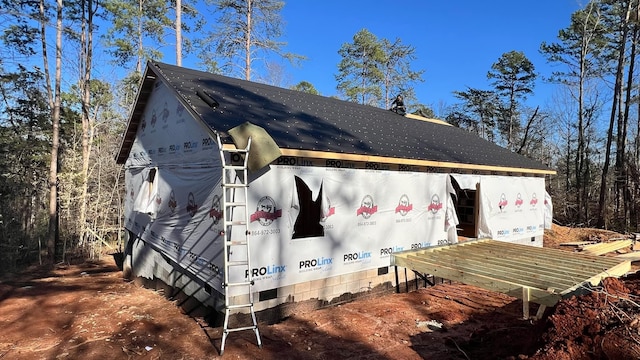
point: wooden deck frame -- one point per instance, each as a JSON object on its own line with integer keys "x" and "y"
{"x": 533, "y": 274}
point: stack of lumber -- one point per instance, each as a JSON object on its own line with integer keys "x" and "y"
{"x": 606, "y": 247}
{"x": 619, "y": 246}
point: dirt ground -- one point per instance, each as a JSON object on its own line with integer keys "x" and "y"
{"x": 88, "y": 311}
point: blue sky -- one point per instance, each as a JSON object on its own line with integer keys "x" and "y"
{"x": 456, "y": 42}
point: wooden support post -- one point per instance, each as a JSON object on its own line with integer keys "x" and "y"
{"x": 525, "y": 302}
{"x": 406, "y": 280}
{"x": 540, "y": 312}
{"x": 397, "y": 282}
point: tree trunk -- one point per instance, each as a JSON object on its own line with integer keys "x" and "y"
{"x": 179, "y": 32}
{"x": 527, "y": 128}
{"x": 140, "y": 41}
{"x": 247, "y": 44}
{"x": 621, "y": 155}
{"x": 617, "y": 93}
{"x": 579, "y": 158}
{"x": 86, "y": 88}
{"x": 55, "y": 141}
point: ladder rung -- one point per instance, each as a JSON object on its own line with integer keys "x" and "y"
{"x": 230, "y": 204}
{"x": 236, "y": 243}
{"x": 237, "y": 263}
{"x": 242, "y": 328}
{"x": 239, "y": 306}
{"x": 233, "y": 167}
{"x": 234, "y": 185}
{"x": 244, "y": 283}
{"x": 235, "y": 222}
{"x": 235, "y": 151}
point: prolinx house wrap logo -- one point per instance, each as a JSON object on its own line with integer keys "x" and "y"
{"x": 192, "y": 206}
{"x": 519, "y": 200}
{"x": 154, "y": 118}
{"x": 534, "y": 200}
{"x": 435, "y": 205}
{"x": 215, "y": 213}
{"x": 404, "y": 205}
{"x": 165, "y": 113}
{"x": 502, "y": 203}
{"x": 266, "y": 211}
{"x": 367, "y": 207}
{"x": 179, "y": 110}
{"x": 173, "y": 204}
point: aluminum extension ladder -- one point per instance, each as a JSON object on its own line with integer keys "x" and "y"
{"x": 230, "y": 202}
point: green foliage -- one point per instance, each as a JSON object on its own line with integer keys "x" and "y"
{"x": 477, "y": 112}
{"x": 305, "y": 86}
{"x": 424, "y": 111}
{"x": 360, "y": 73}
{"x": 580, "y": 47}
{"x": 24, "y": 144}
{"x": 22, "y": 38}
{"x": 20, "y": 34}
{"x": 399, "y": 77}
{"x": 245, "y": 32}
{"x": 513, "y": 78}
{"x": 133, "y": 24}
{"x": 373, "y": 71}
{"x": 513, "y": 75}
{"x": 128, "y": 89}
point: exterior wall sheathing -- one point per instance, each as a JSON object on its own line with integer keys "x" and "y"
{"x": 153, "y": 270}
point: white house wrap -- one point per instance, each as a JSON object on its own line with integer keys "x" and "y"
{"x": 339, "y": 201}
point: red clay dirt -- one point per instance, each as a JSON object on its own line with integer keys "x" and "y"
{"x": 87, "y": 311}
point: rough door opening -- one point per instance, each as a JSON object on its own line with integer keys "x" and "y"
{"x": 466, "y": 209}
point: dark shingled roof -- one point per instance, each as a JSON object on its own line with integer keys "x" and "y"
{"x": 302, "y": 121}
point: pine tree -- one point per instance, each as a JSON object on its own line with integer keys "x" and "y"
{"x": 513, "y": 78}
{"x": 359, "y": 72}
{"x": 247, "y": 30}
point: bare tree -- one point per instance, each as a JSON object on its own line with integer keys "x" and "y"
{"x": 621, "y": 42}
{"x": 86, "y": 58}
{"x": 55, "y": 118}
{"x": 579, "y": 48}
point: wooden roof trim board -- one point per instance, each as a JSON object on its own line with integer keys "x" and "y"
{"x": 540, "y": 275}
{"x": 413, "y": 162}
{"x": 418, "y": 117}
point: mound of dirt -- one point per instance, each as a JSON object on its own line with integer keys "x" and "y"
{"x": 603, "y": 324}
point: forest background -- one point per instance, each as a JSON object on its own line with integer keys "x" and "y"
{"x": 62, "y": 120}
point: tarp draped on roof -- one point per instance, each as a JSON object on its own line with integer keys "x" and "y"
{"x": 314, "y": 124}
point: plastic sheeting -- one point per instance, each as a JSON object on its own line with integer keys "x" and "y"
{"x": 363, "y": 216}
{"x": 511, "y": 208}
{"x": 306, "y": 222}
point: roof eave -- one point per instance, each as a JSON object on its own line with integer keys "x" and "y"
{"x": 144, "y": 90}
{"x": 412, "y": 162}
